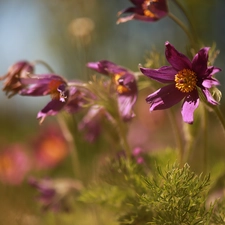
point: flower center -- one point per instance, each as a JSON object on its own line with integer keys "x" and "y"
{"x": 121, "y": 89}
{"x": 186, "y": 80}
{"x": 147, "y": 8}
{"x": 53, "y": 89}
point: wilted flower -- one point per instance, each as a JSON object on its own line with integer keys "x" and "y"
{"x": 50, "y": 148}
{"x": 50, "y": 84}
{"x": 12, "y": 84}
{"x": 53, "y": 194}
{"x": 185, "y": 77}
{"x": 145, "y": 10}
{"x": 14, "y": 164}
{"x": 125, "y": 83}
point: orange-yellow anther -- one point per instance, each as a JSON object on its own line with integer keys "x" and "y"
{"x": 121, "y": 89}
{"x": 186, "y": 80}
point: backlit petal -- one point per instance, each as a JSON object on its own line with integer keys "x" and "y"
{"x": 164, "y": 74}
{"x": 190, "y": 103}
{"x": 199, "y": 62}
{"x": 176, "y": 59}
{"x": 165, "y": 97}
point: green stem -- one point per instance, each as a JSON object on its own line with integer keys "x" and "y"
{"x": 183, "y": 27}
{"x": 219, "y": 115}
{"x": 180, "y": 6}
{"x": 123, "y": 136}
{"x": 72, "y": 145}
{"x": 49, "y": 68}
{"x": 205, "y": 138}
{"x": 177, "y": 135}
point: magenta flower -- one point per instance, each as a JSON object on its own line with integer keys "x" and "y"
{"x": 145, "y": 10}
{"x": 50, "y": 84}
{"x": 12, "y": 84}
{"x": 185, "y": 79}
{"x": 125, "y": 83}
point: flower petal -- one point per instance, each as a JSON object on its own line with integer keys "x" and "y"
{"x": 211, "y": 70}
{"x": 209, "y": 97}
{"x": 208, "y": 83}
{"x": 176, "y": 59}
{"x": 200, "y": 60}
{"x": 190, "y": 103}
{"x": 51, "y": 109}
{"x": 164, "y": 74}
{"x": 165, "y": 97}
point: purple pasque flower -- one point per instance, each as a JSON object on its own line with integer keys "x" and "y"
{"x": 91, "y": 123}
{"x": 185, "y": 78}
{"x": 12, "y": 83}
{"x": 125, "y": 82}
{"x": 49, "y": 84}
{"x": 145, "y": 10}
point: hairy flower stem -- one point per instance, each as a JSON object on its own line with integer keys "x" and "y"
{"x": 123, "y": 136}
{"x": 177, "y": 135}
{"x": 180, "y": 6}
{"x": 220, "y": 116}
{"x": 183, "y": 27}
{"x": 72, "y": 145}
{"x": 44, "y": 64}
{"x": 205, "y": 138}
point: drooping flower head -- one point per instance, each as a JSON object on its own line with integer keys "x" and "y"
{"x": 12, "y": 84}
{"x": 49, "y": 84}
{"x": 126, "y": 86}
{"x": 185, "y": 79}
{"x": 145, "y": 10}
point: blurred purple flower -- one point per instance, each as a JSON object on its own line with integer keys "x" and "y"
{"x": 14, "y": 164}
{"x": 125, "y": 83}
{"x": 53, "y": 194}
{"x": 184, "y": 77}
{"x": 12, "y": 84}
{"x": 145, "y": 10}
{"x": 77, "y": 99}
{"x": 91, "y": 123}
{"x": 49, "y": 84}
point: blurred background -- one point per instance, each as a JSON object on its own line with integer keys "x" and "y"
{"x": 67, "y": 34}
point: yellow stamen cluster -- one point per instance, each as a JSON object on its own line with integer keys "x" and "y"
{"x": 121, "y": 89}
{"x": 186, "y": 80}
{"x": 146, "y": 8}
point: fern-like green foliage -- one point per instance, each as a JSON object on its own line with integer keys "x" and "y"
{"x": 141, "y": 195}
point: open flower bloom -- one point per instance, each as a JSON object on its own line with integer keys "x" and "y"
{"x": 185, "y": 77}
{"x": 50, "y": 84}
{"x": 126, "y": 86}
{"x": 12, "y": 84}
{"x": 145, "y": 10}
